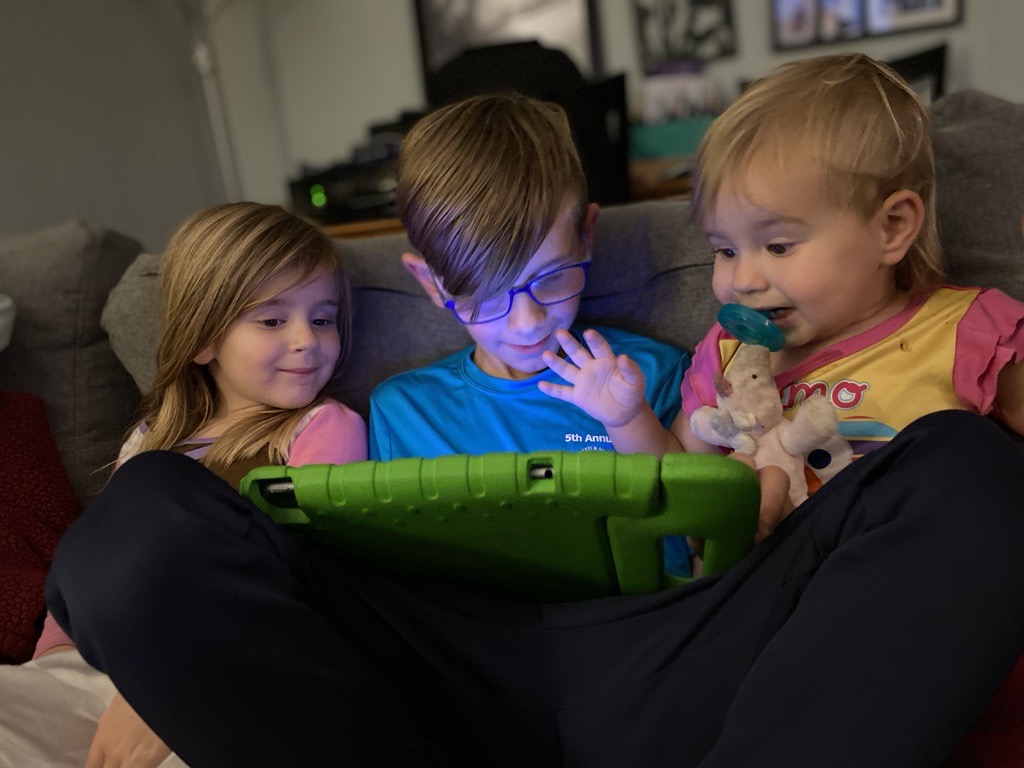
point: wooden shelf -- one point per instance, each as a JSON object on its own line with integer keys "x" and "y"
{"x": 659, "y": 178}
{"x": 365, "y": 228}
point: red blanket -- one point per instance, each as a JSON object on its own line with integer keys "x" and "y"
{"x": 37, "y": 503}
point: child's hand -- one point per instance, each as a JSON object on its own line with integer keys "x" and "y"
{"x": 123, "y": 738}
{"x": 608, "y": 388}
{"x": 775, "y": 502}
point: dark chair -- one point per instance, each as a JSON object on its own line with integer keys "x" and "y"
{"x": 596, "y": 109}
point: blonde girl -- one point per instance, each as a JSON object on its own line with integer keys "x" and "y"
{"x": 255, "y": 321}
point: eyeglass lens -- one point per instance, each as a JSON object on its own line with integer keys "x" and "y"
{"x": 552, "y": 287}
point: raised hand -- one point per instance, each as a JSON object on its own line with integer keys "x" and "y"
{"x": 609, "y": 388}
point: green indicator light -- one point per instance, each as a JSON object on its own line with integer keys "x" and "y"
{"x": 318, "y": 196}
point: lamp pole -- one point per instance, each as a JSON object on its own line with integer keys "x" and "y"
{"x": 203, "y": 59}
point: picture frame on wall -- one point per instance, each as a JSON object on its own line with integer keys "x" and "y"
{"x": 802, "y": 23}
{"x": 449, "y": 27}
{"x": 888, "y": 17}
{"x": 674, "y": 32}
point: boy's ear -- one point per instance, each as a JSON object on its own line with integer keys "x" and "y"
{"x": 903, "y": 216}
{"x": 418, "y": 268}
{"x": 589, "y": 224}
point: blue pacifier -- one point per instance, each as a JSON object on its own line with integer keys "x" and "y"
{"x": 750, "y": 326}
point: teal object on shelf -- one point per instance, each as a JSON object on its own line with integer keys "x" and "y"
{"x": 552, "y": 526}
{"x": 674, "y": 137}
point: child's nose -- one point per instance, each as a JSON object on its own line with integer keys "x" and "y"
{"x": 525, "y": 312}
{"x": 747, "y": 276}
{"x": 304, "y": 336}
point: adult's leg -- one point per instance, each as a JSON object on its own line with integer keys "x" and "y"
{"x": 861, "y": 630}
{"x": 870, "y": 630}
{"x": 191, "y": 599}
{"x": 902, "y": 613}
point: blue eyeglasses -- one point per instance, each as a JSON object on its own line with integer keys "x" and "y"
{"x": 545, "y": 289}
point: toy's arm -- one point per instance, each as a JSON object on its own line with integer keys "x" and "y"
{"x": 814, "y": 424}
{"x": 717, "y": 426}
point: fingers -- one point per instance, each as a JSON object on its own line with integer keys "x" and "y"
{"x": 596, "y": 348}
{"x": 558, "y": 391}
{"x": 630, "y": 371}
{"x": 561, "y": 366}
{"x": 597, "y": 345}
{"x": 775, "y": 503}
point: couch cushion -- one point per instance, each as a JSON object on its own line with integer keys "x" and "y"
{"x": 59, "y": 278}
{"x": 131, "y": 318}
{"x": 979, "y": 161}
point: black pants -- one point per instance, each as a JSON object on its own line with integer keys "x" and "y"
{"x": 869, "y": 630}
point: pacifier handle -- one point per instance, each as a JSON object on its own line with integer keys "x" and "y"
{"x": 750, "y": 326}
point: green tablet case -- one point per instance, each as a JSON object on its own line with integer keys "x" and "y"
{"x": 547, "y": 525}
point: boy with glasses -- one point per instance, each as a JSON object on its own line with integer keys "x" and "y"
{"x": 493, "y": 197}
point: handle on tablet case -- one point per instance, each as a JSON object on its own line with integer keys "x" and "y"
{"x": 548, "y": 525}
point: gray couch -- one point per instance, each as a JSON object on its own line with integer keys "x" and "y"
{"x": 85, "y": 334}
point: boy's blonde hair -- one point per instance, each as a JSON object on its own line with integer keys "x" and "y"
{"x": 480, "y": 184}
{"x": 213, "y": 270}
{"x": 854, "y": 117}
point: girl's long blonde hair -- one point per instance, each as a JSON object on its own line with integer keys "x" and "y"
{"x": 213, "y": 271}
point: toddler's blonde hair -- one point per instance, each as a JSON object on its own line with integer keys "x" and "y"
{"x": 213, "y": 270}
{"x": 857, "y": 120}
{"x": 480, "y": 184}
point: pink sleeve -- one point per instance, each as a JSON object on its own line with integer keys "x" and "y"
{"x": 989, "y": 337}
{"x": 51, "y": 636}
{"x": 331, "y": 434}
{"x": 698, "y": 386}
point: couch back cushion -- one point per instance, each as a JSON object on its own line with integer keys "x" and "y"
{"x": 59, "y": 278}
{"x": 979, "y": 163}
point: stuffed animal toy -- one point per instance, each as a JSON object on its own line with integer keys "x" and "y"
{"x": 749, "y": 419}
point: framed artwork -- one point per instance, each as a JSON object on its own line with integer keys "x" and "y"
{"x": 672, "y": 33}
{"x": 449, "y": 27}
{"x": 800, "y": 23}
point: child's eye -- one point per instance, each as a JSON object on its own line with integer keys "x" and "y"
{"x": 725, "y": 253}
{"x": 270, "y": 322}
{"x": 778, "y": 249}
{"x": 323, "y": 322}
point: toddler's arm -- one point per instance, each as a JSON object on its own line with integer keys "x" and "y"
{"x": 610, "y": 388}
{"x": 1010, "y": 396}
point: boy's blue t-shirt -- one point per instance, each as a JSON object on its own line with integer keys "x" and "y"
{"x": 451, "y": 406}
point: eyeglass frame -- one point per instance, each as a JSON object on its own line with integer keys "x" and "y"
{"x": 449, "y": 303}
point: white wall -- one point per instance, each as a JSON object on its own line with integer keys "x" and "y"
{"x": 102, "y": 118}
{"x": 103, "y": 114}
{"x": 335, "y": 67}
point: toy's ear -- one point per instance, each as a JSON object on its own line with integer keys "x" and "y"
{"x": 418, "y": 268}
{"x": 904, "y": 214}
